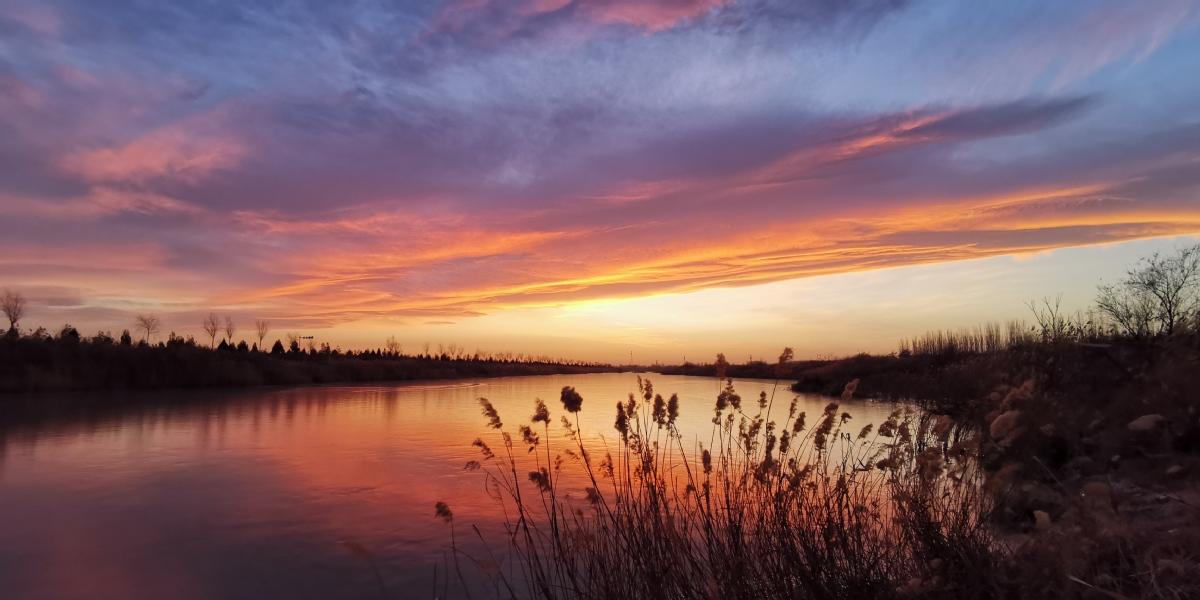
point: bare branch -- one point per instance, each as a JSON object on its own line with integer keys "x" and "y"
{"x": 13, "y": 306}
{"x": 211, "y": 325}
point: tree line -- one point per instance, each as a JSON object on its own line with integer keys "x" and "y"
{"x": 1159, "y": 296}
{"x": 14, "y": 306}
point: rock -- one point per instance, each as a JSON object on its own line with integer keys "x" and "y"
{"x": 1097, "y": 498}
{"x": 1146, "y": 423}
{"x": 1096, "y": 489}
{"x": 1005, "y": 427}
{"x": 1000, "y": 480}
{"x": 1037, "y": 496}
{"x": 1082, "y": 465}
{"x": 914, "y": 587}
{"x": 1041, "y": 520}
{"x": 1174, "y": 471}
{"x": 1047, "y": 429}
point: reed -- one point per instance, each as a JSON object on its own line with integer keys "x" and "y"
{"x": 773, "y": 506}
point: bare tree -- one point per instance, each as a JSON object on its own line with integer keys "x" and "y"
{"x": 1130, "y": 312}
{"x": 261, "y": 327}
{"x": 148, "y": 324}
{"x": 230, "y": 328}
{"x": 211, "y": 326}
{"x": 13, "y": 305}
{"x": 393, "y": 347}
{"x": 1157, "y": 296}
{"x": 1052, "y": 324}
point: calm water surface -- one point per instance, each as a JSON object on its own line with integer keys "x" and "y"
{"x": 322, "y": 492}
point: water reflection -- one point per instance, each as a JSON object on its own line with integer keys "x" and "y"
{"x": 300, "y": 493}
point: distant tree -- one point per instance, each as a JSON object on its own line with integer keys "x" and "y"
{"x": 223, "y": 346}
{"x": 1052, "y": 324}
{"x": 126, "y": 339}
{"x": 784, "y": 358}
{"x": 242, "y": 347}
{"x": 148, "y": 324}
{"x": 230, "y": 328}
{"x": 211, "y": 325}
{"x": 277, "y": 349}
{"x": 68, "y": 334}
{"x": 13, "y": 306}
{"x": 261, "y": 327}
{"x": 1130, "y": 311}
{"x": 1158, "y": 295}
{"x": 721, "y": 366}
{"x": 393, "y": 347}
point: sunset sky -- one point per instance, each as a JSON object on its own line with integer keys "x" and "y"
{"x": 590, "y": 178}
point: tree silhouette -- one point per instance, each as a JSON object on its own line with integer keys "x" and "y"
{"x": 230, "y": 328}
{"x": 211, "y": 325}
{"x": 148, "y": 324}
{"x": 261, "y": 327}
{"x": 13, "y": 305}
{"x": 69, "y": 334}
{"x": 1157, "y": 296}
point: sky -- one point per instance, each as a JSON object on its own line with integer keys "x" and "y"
{"x": 591, "y": 179}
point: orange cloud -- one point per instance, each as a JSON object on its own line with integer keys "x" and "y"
{"x": 451, "y": 270}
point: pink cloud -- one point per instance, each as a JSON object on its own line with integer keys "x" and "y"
{"x": 36, "y": 16}
{"x": 98, "y": 202}
{"x": 652, "y": 16}
{"x": 186, "y": 151}
{"x": 17, "y": 95}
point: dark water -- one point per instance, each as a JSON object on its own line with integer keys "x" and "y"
{"x": 323, "y": 492}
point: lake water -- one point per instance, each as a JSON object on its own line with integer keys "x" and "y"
{"x": 320, "y": 492}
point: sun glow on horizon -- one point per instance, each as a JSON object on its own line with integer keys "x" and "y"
{"x": 448, "y": 171}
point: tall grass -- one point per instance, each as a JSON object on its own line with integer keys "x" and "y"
{"x": 776, "y": 504}
{"x": 991, "y": 337}
{"x": 1051, "y": 326}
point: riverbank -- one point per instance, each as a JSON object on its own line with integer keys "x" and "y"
{"x": 1047, "y": 469}
{"x": 29, "y": 365}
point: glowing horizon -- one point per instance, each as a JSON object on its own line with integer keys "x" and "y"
{"x": 587, "y": 178}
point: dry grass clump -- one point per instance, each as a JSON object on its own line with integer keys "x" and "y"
{"x": 775, "y": 505}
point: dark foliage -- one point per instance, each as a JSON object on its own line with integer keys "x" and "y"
{"x": 35, "y": 364}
